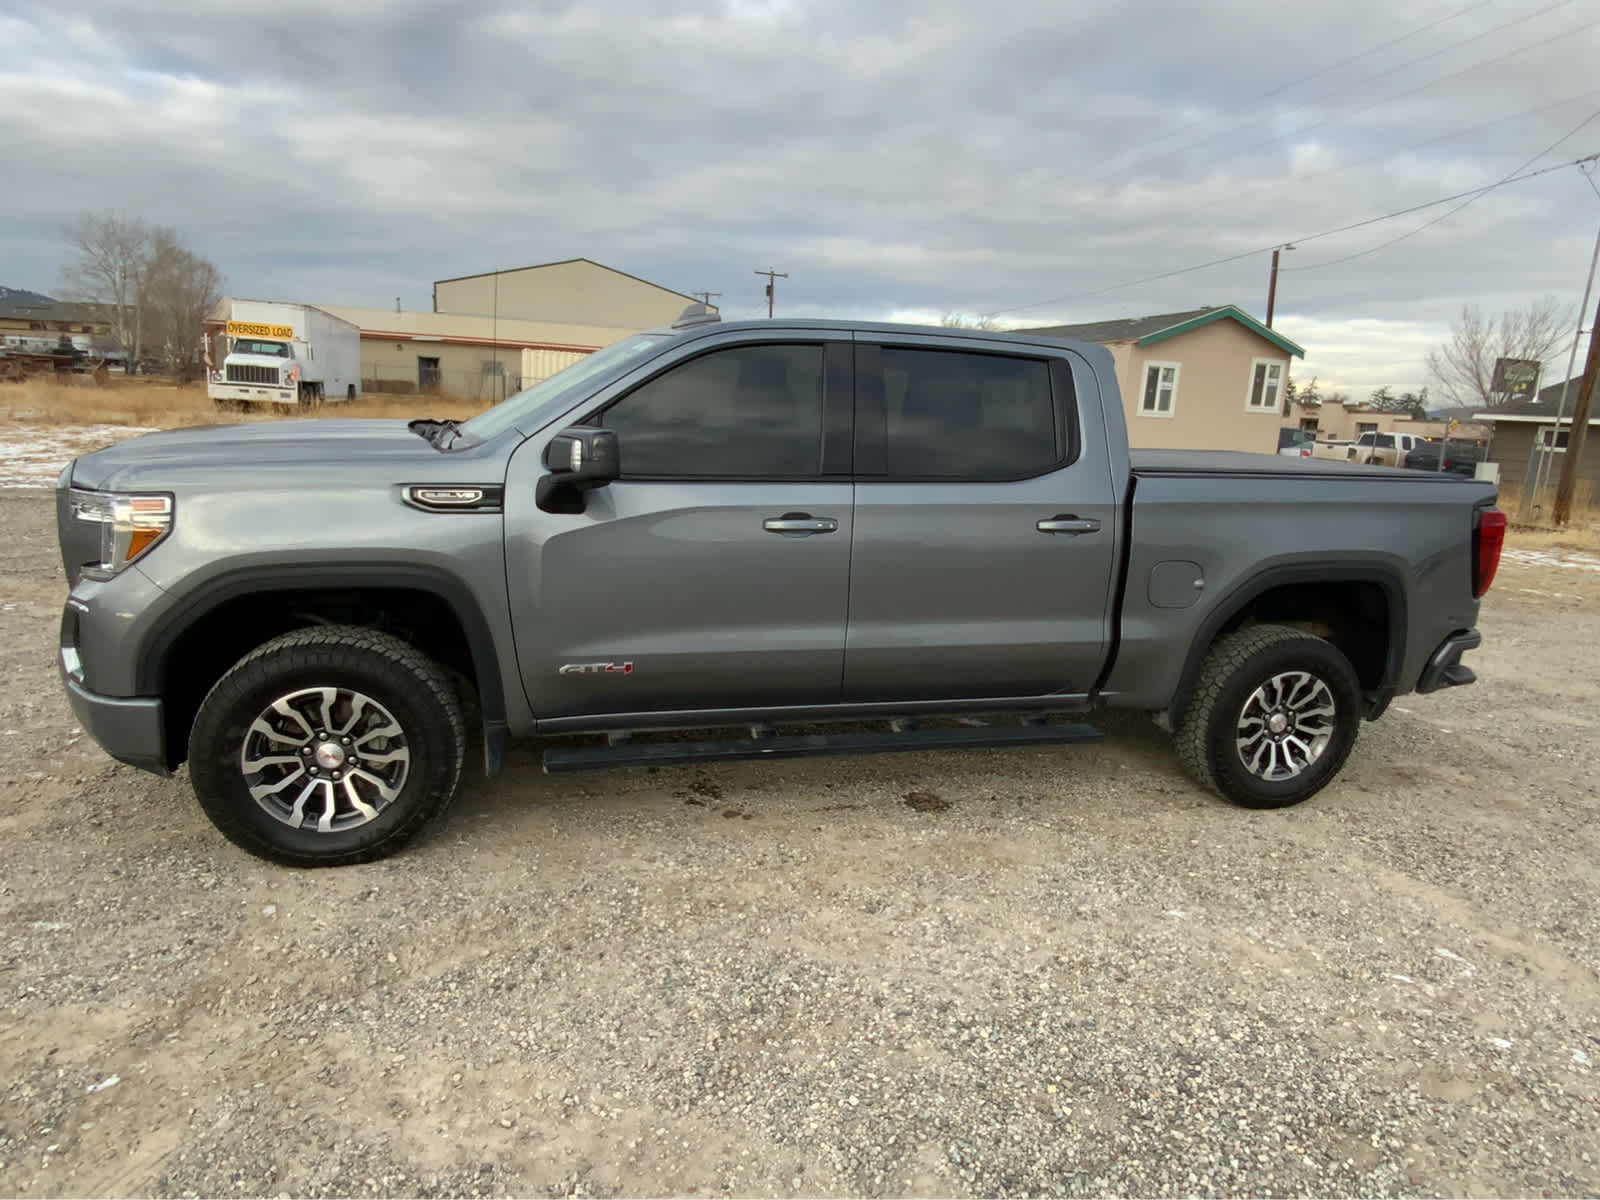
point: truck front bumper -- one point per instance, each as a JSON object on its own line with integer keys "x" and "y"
{"x": 132, "y": 730}
{"x": 1444, "y": 667}
{"x": 249, "y": 393}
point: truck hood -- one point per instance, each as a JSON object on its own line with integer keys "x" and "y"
{"x": 260, "y": 360}
{"x": 236, "y": 455}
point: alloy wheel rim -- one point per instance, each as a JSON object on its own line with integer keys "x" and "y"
{"x": 327, "y": 759}
{"x": 1285, "y": 726}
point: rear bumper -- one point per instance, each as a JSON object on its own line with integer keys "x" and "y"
{"x": 133, "y": 731}
{"x": 1444, "y": 667}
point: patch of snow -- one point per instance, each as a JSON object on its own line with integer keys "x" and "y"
{"x": 32, "y": 456}
{"x": 1572, "y": 560}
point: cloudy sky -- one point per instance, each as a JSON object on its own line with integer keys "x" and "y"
{"x": 1046, "y": 162}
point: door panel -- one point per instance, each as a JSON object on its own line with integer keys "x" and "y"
{"x": 681, "y": 588}
{"x": 715, "y": 572}
{"x": 956, "y": 591}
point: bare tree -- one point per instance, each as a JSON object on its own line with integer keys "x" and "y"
{"x": 958, "y": 320}
{"x": 109, "y": 254}
{"x": 156, "y": 291}
{"x": 1464, "y": 366}
{"x": 180, "y": 290}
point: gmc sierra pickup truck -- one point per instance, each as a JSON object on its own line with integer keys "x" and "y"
{"x": 933, "y": 538}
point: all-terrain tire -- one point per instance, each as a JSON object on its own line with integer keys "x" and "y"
{"x": 263, "y": 725}
{"x": 1215, "y": 715}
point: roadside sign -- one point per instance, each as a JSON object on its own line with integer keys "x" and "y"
{"x": 255, "y": 329}
{"x": 1516, "y": 378}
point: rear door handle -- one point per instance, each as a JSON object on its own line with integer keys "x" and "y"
{"x": 800, "y": 523}
{"x": 1067, "y": 523}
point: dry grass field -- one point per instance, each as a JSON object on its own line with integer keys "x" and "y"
{"x": 150, "y": 404}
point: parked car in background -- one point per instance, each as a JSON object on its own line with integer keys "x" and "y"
{"x": 1334, "y": 449}
{"x": 1460, "y": 458}
{"x": 1385, "y": 449}
{"x": 1296, "y": 443}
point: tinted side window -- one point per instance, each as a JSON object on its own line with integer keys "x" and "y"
{"x": 746, "y": 411}
{"x": 954, "y": 415}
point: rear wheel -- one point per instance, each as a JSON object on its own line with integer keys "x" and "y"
{"x": 1272, "y": 718}
{"x": 327, "y": 746}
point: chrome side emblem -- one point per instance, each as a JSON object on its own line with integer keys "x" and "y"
{"x": 452, "y": 497}
{"x": 597, "y": 668}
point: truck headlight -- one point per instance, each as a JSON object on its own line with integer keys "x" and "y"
{"x": 129, "y": 526}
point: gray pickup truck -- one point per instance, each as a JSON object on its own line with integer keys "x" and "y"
{"x": 773, "y": 529}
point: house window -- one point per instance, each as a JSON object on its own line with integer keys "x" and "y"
{"x": 1364, "y": 427}
{"x": 1553, "y": 439}
{"x": 1160, "y": 390}
{"x": 1266, "y": 384}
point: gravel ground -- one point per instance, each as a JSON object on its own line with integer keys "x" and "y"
{"x": 1060, "y": 970}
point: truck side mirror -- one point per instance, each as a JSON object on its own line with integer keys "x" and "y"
{"x": 580, "y": 459}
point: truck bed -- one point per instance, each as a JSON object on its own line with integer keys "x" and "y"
{"x": 1193, "y": 463}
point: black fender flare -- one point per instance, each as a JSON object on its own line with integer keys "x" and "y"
{"x": 156, "y": 644}
{"x": 1255, "y": 586}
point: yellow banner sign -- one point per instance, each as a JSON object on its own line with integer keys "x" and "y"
{"x": 251, "y": 329}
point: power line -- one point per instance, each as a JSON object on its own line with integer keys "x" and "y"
{"x": 1217, "y": 262}
{"x": 1293, "y": 83}
{"x": 1446, "y": 216}
{"x": 1405, "y": 37}
{"x": 1588, "y": 174}
{"x": 1299, "y": 180}
{"x": 1478, "y": 66}
{"x": 1236, "y": 126}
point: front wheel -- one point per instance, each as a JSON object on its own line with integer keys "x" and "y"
{"x": 1272, "y": 717}
{"x": 327, "y": 746}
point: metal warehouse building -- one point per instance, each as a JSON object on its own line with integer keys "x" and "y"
{"x": 493, "y": 334}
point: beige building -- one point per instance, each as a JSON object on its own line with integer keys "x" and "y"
{"x": 575, "y": 291}
{"x": 1527, "y": 437}
{"x": 476, "y": 358}
{"x": 1207, "y": 379}
{"x": 1337, "y": 421}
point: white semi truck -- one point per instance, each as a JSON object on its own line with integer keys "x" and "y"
{"x": 286, "y": 354}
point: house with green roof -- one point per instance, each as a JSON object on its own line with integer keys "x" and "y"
{"x": 1206, "y": 379}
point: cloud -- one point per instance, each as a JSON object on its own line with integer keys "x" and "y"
{"x": 1050, "y": 163}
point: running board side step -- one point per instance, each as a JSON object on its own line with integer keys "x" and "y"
{"x": 661, "y": 754}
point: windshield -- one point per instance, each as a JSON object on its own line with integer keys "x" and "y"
{"x": 252, "y": 346}
{"x": 533, "y": 405}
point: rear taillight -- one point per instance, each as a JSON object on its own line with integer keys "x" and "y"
{"x": 1305, "y": 451}
{"x": 1486, "y": 543}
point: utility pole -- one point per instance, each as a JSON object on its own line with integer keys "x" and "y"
{"x": 1272, "y": 283}
{"x": 1538, "y": 458}
{"x": 772, "y": 278}
{"x": 705, "y": 297}
{"x": 1580, "y": 427}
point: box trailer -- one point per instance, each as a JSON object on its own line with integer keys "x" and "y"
{"x": 286, "y": 354}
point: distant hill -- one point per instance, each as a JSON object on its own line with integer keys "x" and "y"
{"x": 22, "y": 296}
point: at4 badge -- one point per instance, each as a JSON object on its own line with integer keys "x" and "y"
{"x": 597, "y": 668}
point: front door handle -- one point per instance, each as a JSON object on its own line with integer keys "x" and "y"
{"x": 799, "y": 523}
{"x": 1067, "y": 523}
